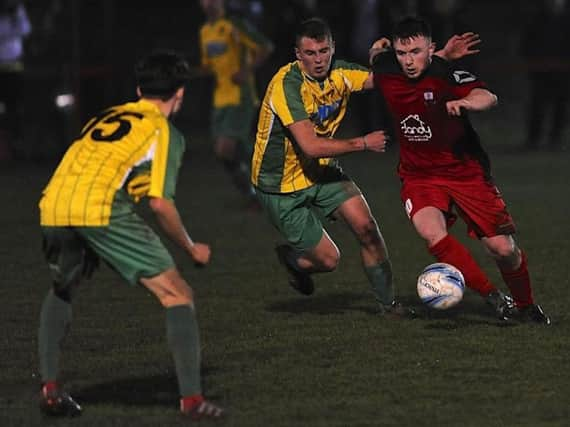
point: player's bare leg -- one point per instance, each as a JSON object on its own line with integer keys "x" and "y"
{"x": 300, "y": 265}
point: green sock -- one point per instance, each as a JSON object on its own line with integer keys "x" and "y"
{"x": 184, "y": 342}
{"x": 55, "y": 317}
{"x": 380, "y": 278}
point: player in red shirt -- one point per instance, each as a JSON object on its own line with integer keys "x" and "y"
{"x": 444, "y": 170}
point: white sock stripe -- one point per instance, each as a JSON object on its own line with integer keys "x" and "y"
{"x": 205, "y": 409}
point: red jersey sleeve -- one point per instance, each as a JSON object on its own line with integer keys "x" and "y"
{"x": 463, "y": 82}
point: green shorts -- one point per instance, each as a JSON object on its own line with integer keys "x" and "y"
{"x": 127, "y": 244}
{"x": 298, "y": 215}
{"x": 234, "y": 121}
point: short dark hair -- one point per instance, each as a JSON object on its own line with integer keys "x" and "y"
{"x": 313, "y": 28}
{"x": 161, "y": 73}
{"x": 411, "y": 26}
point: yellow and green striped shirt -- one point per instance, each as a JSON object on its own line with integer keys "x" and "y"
{"x": 278, "y": 164}
{"x": 130, "y": 148}
{"x": 225, "y": 45}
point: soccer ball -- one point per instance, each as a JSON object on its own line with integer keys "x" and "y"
{"x": 440, "y": 286}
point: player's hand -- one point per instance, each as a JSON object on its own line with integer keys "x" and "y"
{"x": 454, "y": 107}
{"x": 383, "y": 43}
{"x": 377, "y": 47}
{"x": 200, "y": 253}
{"x": 376, "y": 141}
{"x": 461, "y": 45}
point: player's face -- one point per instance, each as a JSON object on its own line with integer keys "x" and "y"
{"x": 315, "y": 56}
{"x": 414, "y": 55}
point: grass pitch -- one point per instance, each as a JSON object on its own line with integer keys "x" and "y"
{"x": 275, "y": 358}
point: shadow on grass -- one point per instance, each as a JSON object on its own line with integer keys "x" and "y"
{"x": 330, "y": 303}
{"x": 159, "y": 390}
{"x": 335, "y": 303}
{"x": 468, "y": 313}
{"x": 155, "y": 390}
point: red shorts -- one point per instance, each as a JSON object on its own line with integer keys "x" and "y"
{"x": 478, "y": 202}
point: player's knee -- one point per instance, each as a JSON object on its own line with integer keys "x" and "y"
{"x": 432, "y": 236}
{"x": 330, "y": 264}
{"x": 504, "y": 250}
{"x": 329, "y": 261}
{"x": 171, "y": 300}
{"x": 368, "y": 233}
{"x": 175, "y": 292}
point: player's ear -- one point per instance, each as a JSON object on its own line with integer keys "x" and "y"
{"x": 139, "y": 93}
{"x": 431, "y": 48}
{"x": 297, "y": 53}
{"x": 180, "y": 93}
{"x": 332, "y": 47}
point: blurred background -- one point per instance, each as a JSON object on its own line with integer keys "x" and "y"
{"x": 75, "y": 57}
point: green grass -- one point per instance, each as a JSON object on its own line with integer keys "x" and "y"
{"x": 275, "y": 358}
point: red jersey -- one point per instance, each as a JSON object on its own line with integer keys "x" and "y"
{"x": 432, "y": 143}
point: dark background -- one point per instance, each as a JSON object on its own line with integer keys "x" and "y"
{"x": 88, "y": 48}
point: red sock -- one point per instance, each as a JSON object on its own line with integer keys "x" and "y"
{"x": 450, "y": 251}
{"x": 189, "y": 402}
{"x": 518, "y": 282}
{"x": 49, "y": 387}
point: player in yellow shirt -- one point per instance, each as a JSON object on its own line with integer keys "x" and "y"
{"x": 231, "y": 49}
{"x": 87, "y": 212}
{"x": 296, "y": 177}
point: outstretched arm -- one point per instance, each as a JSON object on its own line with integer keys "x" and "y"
{"x": 314, "y": 146}
{"x": 478, "y": 99}
{"x": 169, "y": 220}
{"x": 460, "y": 45}
{"x": 379, "y": 46}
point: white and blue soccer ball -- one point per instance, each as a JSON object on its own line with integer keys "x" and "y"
{"x": 441, "y": 286}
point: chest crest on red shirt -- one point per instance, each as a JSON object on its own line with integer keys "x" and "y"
{"x": 414, "y": 129}
{"x": 429, "y": 98}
